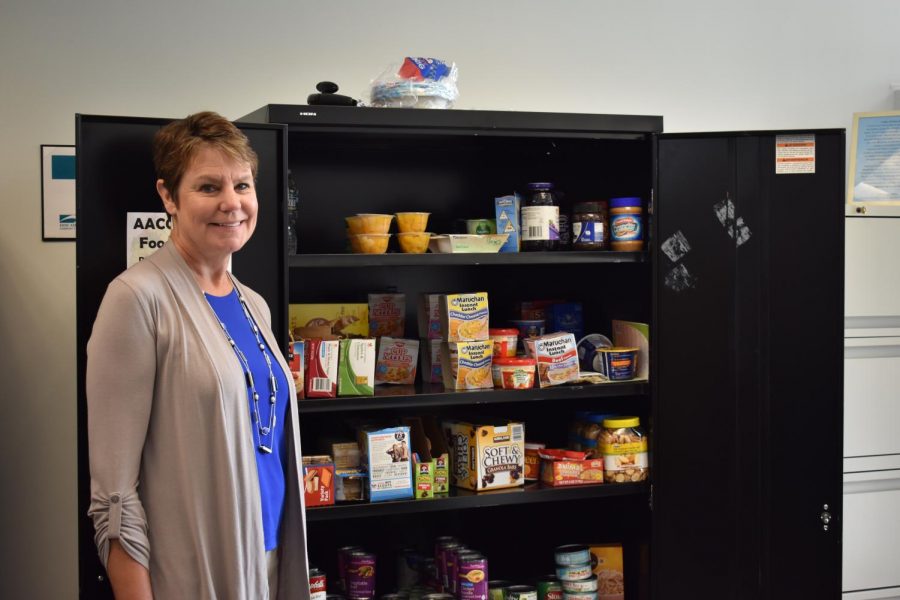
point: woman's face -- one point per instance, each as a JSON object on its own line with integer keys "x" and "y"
{"x": 216, "y": 210}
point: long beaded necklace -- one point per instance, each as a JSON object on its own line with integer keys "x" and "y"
{"x": 260, "y": 430}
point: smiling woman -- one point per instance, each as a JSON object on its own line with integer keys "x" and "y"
{"x": 194, "y": 451}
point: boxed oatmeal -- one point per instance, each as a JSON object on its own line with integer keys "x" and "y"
{"x": 387, "y": 315}
{"x": 467, "y": 365}
{"x": 556, "y": 355}
{"x": 464, "y": 317}
{"x": 386, "y": 456}
{"x": 486, "y": 457}
{"x": 397, "y": 361}
{"x": 608, "y": 567}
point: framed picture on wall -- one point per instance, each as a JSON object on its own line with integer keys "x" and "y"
{"x": 874, "y": 175}
{"x": 57, "y": 192}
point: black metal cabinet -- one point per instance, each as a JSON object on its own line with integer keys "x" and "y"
{"x": 743, "y": 406}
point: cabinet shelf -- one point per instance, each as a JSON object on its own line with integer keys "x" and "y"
{"x": 425, "y": 395}
{"x": 460, "y": 499}
{"x": 434, "y": 260}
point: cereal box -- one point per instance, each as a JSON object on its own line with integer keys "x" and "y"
{"x": 486, "y": 457}
{"x": 347, "y": 320}
{"x": 321, "y": 368}
{"x": 507, "y": 212}
{"x": 386, "y": 455}
{"x": 318, "y": 480}
{"x": 397, "y": 361}
{"x": 356, "y": 368}
{"x": 430, "y": 316}
{"x": 387, "y": 315}
{"x": 608, "y": 567}
{"x": 563, "y": 468}
{"x": 467, "y": 365}
{"x": 297, "y": 363}
{"x": 557, "y": 358}
{"x": 431, "y": 361}
{"x": 464, "y": 317}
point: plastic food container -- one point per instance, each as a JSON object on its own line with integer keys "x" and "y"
{"x": 505, "y": 341}
{"x": 624, "y": 447}
{"x": 533, "y": 461}
{"x": 374, "y": 223}
{"x": 513, "y": 373}
{"x": 616, "y": 363}
{"x": 412, "y": 222}
{"x": 587, "y": 349}
{"x": 481, "y": 226}
{"x": 370, "y": 243}
{"x": 354, "y": 225}
{"x": 465, "y": 244}
{"x": 626, "y": 224}
{"x": 413, "y": 242}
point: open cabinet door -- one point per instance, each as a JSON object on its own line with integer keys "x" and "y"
{"x": 748, "y": 376}
{"x": 116, "y": 176}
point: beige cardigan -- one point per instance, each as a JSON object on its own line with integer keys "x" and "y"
{"x": 173, "y": 470}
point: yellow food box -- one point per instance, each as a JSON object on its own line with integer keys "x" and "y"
{"x": 464, "y": 317}
{"x": 608, "y": 567}
{"x": 467, "y": 365}
{"x": 486, "y": 457}
{"x": 348, "y": 320}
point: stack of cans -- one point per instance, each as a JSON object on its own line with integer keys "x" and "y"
{"x": 574, "y": 570}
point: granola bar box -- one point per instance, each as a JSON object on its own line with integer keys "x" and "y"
{"x": 486, "y": 457}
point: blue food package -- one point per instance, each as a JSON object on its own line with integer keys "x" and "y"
{"x": 387, "y": 457}
{"x": 566, "y": 316}
{"x": 420, "y": 68}
{"x": 507, "y": 213}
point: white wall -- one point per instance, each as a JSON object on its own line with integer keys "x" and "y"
{"x": 704, "y": 65}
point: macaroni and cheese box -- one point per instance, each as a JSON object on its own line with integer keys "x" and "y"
{"x": 387, "y": 315}
{"x": 467, "y": 365}
{"x": 486, "y": 457}
{"x": 431, "y": 361}
{"x": 397, "y": 361}
{"x": 608, "y": 567}
{"x": 430, "y": 316}
{"x": 556, "y": 355}
{"x": 386, "y": 456}
{"x": 318, "y": 480}
{"x": 356, "y": 368}
{"x": 464, "y": 317}
{"x": 347, "y": 320}
{"x": 321, "y": 368}
{"x": 507, "y": 212}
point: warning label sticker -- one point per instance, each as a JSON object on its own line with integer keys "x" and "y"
{"x": 795, "y": 154}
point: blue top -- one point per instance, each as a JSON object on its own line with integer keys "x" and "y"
{"x": 270, "y": 467}
{"x": 624, "y": 202}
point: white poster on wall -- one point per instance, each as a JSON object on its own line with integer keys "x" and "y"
{"x": 147, "y": 232}
{"x": 57, "y": 192}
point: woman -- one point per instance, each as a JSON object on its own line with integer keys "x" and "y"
{"x": 194, "y": 453}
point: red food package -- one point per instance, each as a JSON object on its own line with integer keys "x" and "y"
{"x": 321, "y": 368}
{"x": 318, "y": 480}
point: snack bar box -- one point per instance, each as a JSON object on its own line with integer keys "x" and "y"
{"x": 486, "y": 457}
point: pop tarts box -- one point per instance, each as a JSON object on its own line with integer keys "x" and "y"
{"x": 507, "y": 212}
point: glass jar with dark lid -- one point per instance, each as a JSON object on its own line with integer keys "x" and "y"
{"x": 590, "y": 229}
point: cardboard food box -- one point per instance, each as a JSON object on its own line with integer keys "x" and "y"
{"x": 430, "y": 457}
{"x": 318, "y": 480}
{"x": 431, "y": 361}
{"x": 356, "y": 368}
{"x": 386, "y": 457}
{"x": 346, "y": 455}
{"x": 556, "y": 355}
{"x": 440, "y": 452}
{"x": 297, "y": 364}
{"x": 506, "y": 209}
{"x": 350, "y": 485}
{"x": 566, "y": 316}
{"x": 346, "y": 320}
{"x": 486, "y": 457}
{"x": 563, "y": 468}
{"x": 430, "y": 316}
{"x": 467, "y": 365}
{"x": 608, "y": 566}
{"x": 634, "y": 335}
{"x": 387, "y": 315}
{"x": 464, "y": 317}
{"x": 397, "y": 361}
{"x": 321, "y": 368}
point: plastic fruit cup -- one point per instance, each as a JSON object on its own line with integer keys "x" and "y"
{"x": 372, "y": 223}
{"x": 414, "y": 242}
{"x": 354, "y": 225}
{"x": 370, "y": 243}
{"x": 412, "y": 222}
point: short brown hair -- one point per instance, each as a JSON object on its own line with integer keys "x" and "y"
{"x": 175, "y": 145}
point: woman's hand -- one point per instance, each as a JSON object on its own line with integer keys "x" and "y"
{"x": 129, "y": 579}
